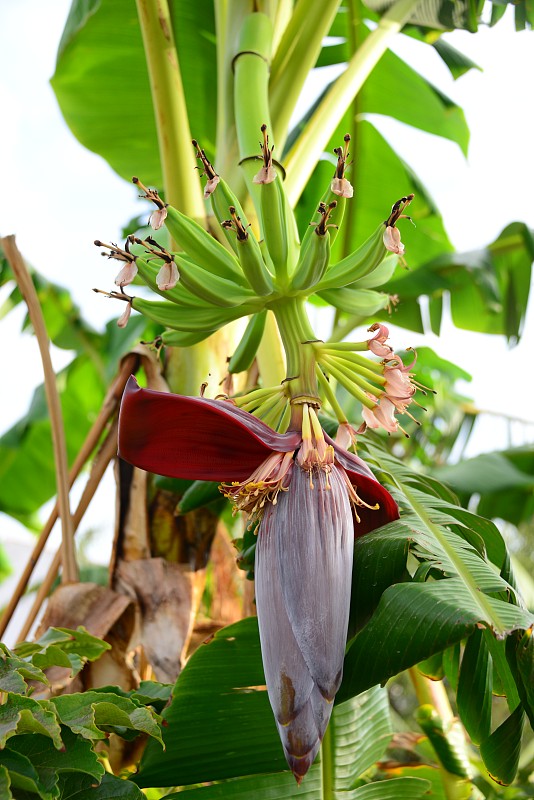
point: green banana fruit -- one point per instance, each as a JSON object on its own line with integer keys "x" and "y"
{"x": 361, "y": 303}
{"x": 179, "y": 294}
{"x": 202, "y": 247}
{"x": 382, "y": 274}
{"x": 315, "y": 255}
{"x": 222, "y": 198}
{"x": 183, "y": 338}
{"x": 210, "y": 287}
{"x": 187, "y": 318}
{"x": 248, "y": 346}
{"x": 199, "y": 494}
{"x": 274, "y": 225}
{"x": 358, "y": 264}
{"x": 249, "y": 253}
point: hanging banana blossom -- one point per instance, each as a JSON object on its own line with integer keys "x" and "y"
{"x": 306, "y": 495}
{"x": 311, "y": 498}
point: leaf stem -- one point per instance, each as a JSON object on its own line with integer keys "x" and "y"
{"x": 25, "y": 283}
{"x": 313, "y": 140}
{"x": 181, "y": 181}
{"x": 295, "y": 56}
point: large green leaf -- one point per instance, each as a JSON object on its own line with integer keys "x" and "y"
{"x": 101, "y": 81}
{"x": 76, "y": 787}
{"x": 503, "y": 481}
{"x": 27, "y": 476}
{"x": 231, "y": 733}
{"x": 396, "y": 90}
{"x": 222, "y": 694}
{"x": 33, "y": 761}
{"x": 19, "y": 715}
{"x": 437, "y": 15}
{"x": 94, "y": 714}
{"x": 488, "y": 288}
{"x": 474, "y": 693}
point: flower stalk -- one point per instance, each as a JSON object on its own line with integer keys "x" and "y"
{"x": 313, "y": 140}
{"x": 172, "y": 123}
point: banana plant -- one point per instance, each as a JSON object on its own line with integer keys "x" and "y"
{"x": 238, "y": 246}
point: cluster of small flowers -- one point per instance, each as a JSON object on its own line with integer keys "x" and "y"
{"x": 398, "y": 389}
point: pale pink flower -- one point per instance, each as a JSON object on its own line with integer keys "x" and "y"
{"x": 168, "y": 276}
{"x": 392, "y": 240}
{"x": 345, "y": 435}
{"x": 265, "y": 175}
{"x": 342, "y": 187}
{"x": 377, "y": 344}
{"x": 125, "y": 316}
{"x": 399, "y": 387}
{"x": 211, "y": 185}
{"x": 127, "y": 274}
{"x": 157, "y": 218}
{"x": 382, "y": 415}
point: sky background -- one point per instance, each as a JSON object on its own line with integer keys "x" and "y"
{"x": 57, "y": 198}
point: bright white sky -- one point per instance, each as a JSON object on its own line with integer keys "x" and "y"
{"x": 57, "y": 197}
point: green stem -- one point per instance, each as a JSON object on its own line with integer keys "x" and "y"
{"x": 449, "y": 737}
{"x": 351, "y": 374}
{"x": 354, "y": 40}
{"x": 314, "y": 139}
{"x": 368, "y": 368}
{"x": 251, "y": 100}
{"x": 270, "y": 355}
{"x": 182, "y": 187}
{"x": 330, "y": 396}
{"x": 350, "y": 385}
{"x": 327, "y": 764}
{"x": 296, "y": 55}
{"x": 296, "y": 333}
{"x": 349, "y": 346}
{"x": 229, "y": 16}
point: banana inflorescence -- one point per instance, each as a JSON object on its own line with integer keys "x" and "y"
{"x": 207, "y": 284}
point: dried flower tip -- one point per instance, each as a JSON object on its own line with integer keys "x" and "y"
{"x": 397, "y": 211}
{"x": 267, "y": 173}
{"x": 129, "y": 270}
{"x": 340, "y": 185}
{"x": 157, "y": 218}
{"x": 150, "y": 194}
{"x": 392, "y": 240}
{"x": 168, "y": 276}
{"x": 209, "y": 172}
{"x": 325, "y": 212}
{"x": 236, "y": 225}
{"x": 154, "y": 248}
